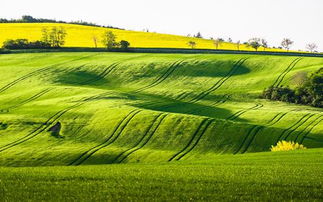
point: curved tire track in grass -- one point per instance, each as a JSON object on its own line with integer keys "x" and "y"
{"x": 312, "y": 123}
{"x": 34, "y": 97}
{"x": 144, "y": 140}
{"x": 194, "y": 140}
{"x": 102, "y": 75}
{"x": 39, "y": 129}
{"x": 291, "y": 127}
{"x": 220, "y": 82}
{"x": 224, "y": 99}
{"x": 112, "y": 138}
{"x": 281, "y": 77}
{"x": 240, "y": 112}
{"x": 254, "y": 130}
{"x": 164, "y": 76}
{"x": 298, "y": 125}
{"x": 37, "y": 72}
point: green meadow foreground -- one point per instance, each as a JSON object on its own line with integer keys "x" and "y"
{"x": 282, "y": 176}
{"x": 170, "y": 122}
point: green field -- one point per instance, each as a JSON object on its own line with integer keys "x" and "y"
{"x": 288, "y": 176}
{"x": 166, "y": 118}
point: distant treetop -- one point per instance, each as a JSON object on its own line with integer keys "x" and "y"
{"x": 30, "y": 19}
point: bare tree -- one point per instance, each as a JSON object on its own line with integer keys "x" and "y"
{"x": 218, "y": 42}
{"x": 286, "y": 43}
{"x": 192, "y": 44}
{"x": 311, "y": 47}
{"x": 95, "y": 40}
{"x": 254, "y": 43}
{"x": 264, "y": 44}
{"x": 238, "y": 45}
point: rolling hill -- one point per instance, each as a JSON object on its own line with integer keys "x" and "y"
{"x": 103, "y": 108}
{"x": 82, "y": 36}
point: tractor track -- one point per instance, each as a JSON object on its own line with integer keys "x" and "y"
{"x": 281, "y": 77}
{"x": 308, "y": 132}
{"x": 34, "y": 97}
{"x": 219, "y": 83}
{"x": 309, "y": 126}
{"x": 39, "y": 129}
{"x": 102, "y": 75}
{"x": 35, "y": 73}
{"x": 240, "y": 112}
{"x": 297, "y": 126}
{"x": 255, "y": 130}
{"x": 163, "y": 77}
{"x": 143, "y": 141}
{"x": 113, "y": 137}
{"x": 292, "y": 126}
{"x": 194, "y": 140}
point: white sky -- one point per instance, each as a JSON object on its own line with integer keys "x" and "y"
{"x": 300, "y": 20}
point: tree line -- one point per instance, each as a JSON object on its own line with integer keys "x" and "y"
{"x": 254, "y": 43}
{"x": 30, "y": 19}
{"x": 51, "y": 38}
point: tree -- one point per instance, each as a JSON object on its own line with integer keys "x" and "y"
{"x": 109, "y": 40}
{"x": 229, "y": 40}
{"x": 198, "y": 35}
{"x": 28, "y": 18}
{"x": 238, "y": 45}
{"x": 218, "y": 42}
{"x": 264, "y": 44}
{"x": 95, "y": 41}
{"x": 124, "y": 45}
{"x": 254, "y": 43}
{"x": 286, "y": 43}
{"x": 55, "y": 36}
{"x": 192, "y": 44}
{"x": 311, "y": 47}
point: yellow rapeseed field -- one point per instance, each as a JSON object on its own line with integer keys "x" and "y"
{"x": 82, "y": 36}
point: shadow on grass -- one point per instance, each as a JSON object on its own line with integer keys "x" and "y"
{"x": 212, "y": 69}
{"x": 164, "y": 104}
{"x": 80, "y": 78}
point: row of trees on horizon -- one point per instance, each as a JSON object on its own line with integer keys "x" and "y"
{"x": 255, "y": 43}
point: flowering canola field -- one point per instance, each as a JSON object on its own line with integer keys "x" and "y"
{"x": 83, "y": 36}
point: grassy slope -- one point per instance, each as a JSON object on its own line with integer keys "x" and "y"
{"x": 289, "y": 176}
{"x": 82, "y": 36}
{"x": 118, "y": 107}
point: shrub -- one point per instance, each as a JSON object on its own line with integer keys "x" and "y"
{"x": 286, "y": 146}
{"x": 124, "y": 45}
{"x": 309, "y": 93}
{"x": 24, "y": 44}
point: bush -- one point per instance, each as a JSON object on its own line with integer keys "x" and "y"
{"x": 286, "y": 146}
{"x": 24, "y": 44}
{"x": 309, "y": 93}
{"x": 3, "y": 50}
{"x": 124, "y": 45}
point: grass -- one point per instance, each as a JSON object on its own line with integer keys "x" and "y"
{"x": 152, "y": 127}
{"x": 126, "y": 107}
{"x": 82, "y": 36}
{"x": 271, "y": 176}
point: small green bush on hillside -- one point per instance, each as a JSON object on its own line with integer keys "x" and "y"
{"x": 309, "y": 93}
